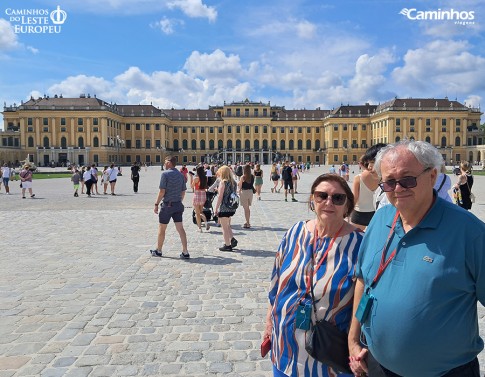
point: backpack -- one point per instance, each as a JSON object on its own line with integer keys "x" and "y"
{"x": 286, "y": 173}
{"x": 239, "y": 171}
{"x": 232, "y": 200}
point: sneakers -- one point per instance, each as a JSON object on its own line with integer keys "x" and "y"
{"x": 233, "y": 242}
{"x": 32, "y": 196}
{"x": 226, "y": 247}
{"x": 156, "y": 253}
{"x": 286, "y": 199}
{"x": 185, "y": 255}
{"x": 272, "y": 189}
{"x": 207, "y": 226}
{"x": 293, "y": 200}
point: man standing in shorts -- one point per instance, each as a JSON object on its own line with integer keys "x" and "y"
{"x": 287, "y": 179}
{"x": 171, "y": 196}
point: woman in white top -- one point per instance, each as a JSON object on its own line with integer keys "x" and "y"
{"x": 364, "y": 186}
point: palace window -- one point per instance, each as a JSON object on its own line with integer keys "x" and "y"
{"x": 95, "y": 121}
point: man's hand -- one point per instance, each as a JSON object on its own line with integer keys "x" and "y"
{"x": 156, "y": 209}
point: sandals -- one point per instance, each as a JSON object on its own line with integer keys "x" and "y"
{"x": 247, "y": 226}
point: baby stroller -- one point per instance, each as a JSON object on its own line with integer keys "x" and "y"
{"x": 207, "y": 210}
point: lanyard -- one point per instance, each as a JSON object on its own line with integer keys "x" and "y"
{"x": 330, "y": 245}
{"x": 385, "y": 262}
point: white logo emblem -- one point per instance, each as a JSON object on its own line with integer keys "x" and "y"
{"x": 58, "y": 16}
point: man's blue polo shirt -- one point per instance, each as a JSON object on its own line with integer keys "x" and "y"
{"x": 424, "y": 318}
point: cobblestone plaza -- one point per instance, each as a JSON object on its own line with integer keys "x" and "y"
{"x": 80, "y": 294}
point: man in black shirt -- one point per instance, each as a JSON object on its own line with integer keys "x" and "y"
{"x": 135, "y": 176}
{"x": 288, "y": 181}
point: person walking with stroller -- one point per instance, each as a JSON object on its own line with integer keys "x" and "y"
{"x": 199, "y": 185}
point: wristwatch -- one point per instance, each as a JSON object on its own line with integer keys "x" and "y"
{"x": 157, "y": 204}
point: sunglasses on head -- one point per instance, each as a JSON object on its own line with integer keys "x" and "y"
{"x": 337, "y": 199}
{"x": 405, "y": 182}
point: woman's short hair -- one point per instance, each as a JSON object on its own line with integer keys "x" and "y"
{"x": 426, "y": 154}
{"x": 350, "y": 202}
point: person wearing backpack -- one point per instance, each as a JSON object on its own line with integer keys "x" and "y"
{"x": 239, "y": 171}
{"x": 227, "y": 202}
{"x": 288, "y": 181}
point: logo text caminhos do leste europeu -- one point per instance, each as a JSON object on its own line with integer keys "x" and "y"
{"x": 459, "y": 17}
{"x": 36, "y": 21}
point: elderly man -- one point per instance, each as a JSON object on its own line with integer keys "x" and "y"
{"x": 420, "y": 273}
{"x": 171, "y": 195}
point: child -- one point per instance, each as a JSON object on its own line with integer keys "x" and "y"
{"x": 75, "y": 180}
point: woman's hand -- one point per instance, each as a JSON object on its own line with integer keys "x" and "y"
{"x": 358, "y": 359}
{"x": 269, "y": 324}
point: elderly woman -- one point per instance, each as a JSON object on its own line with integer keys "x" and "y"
{"x": 224, "y": 212}
{"x": 323, "y": 250}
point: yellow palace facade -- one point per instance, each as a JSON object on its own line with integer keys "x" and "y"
{"x": 85, "y": 130}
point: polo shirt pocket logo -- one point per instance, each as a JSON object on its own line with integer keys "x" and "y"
{"x": 428, "y": 259}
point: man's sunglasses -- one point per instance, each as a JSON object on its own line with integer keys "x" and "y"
{"x": 337, "y": 199}
{"x": 405, "y": 182}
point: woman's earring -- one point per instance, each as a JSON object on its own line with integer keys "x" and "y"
{"x": 312, "y": 205}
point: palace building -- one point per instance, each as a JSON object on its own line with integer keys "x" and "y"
{"x": 58, "y": 130}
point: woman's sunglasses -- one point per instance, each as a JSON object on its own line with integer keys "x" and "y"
{"x": 337, "y": 199}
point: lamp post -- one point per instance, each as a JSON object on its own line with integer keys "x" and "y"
{"x": 119, "y": 143}
{"x": 162, "y": 149}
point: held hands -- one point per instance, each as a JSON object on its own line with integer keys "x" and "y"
{"x": 358, "y": 361}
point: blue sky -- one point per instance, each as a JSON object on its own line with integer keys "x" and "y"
{"x": 196, "y": 53}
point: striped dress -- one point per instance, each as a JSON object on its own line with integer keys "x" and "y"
{"x": 333, "y": 289}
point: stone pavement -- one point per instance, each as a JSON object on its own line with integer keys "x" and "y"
{"x": 80, "y": 294}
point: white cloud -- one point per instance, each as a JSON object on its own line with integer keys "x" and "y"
{"x": 33, "y": 50}
{"x": 166, "y": 25}
{"x": 8, "y": 39}
{"x": 441, "y": 67}
{"x": 306, "y": 29}
{"x": 191, "y": 8}
{"x": 215, "y": 66}
{"x": 194, "y": 9}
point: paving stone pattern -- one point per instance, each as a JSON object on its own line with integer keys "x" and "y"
{"x": 80, "y": 294}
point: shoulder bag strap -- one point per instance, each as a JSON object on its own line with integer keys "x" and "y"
{"x": 442, "y": 183}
